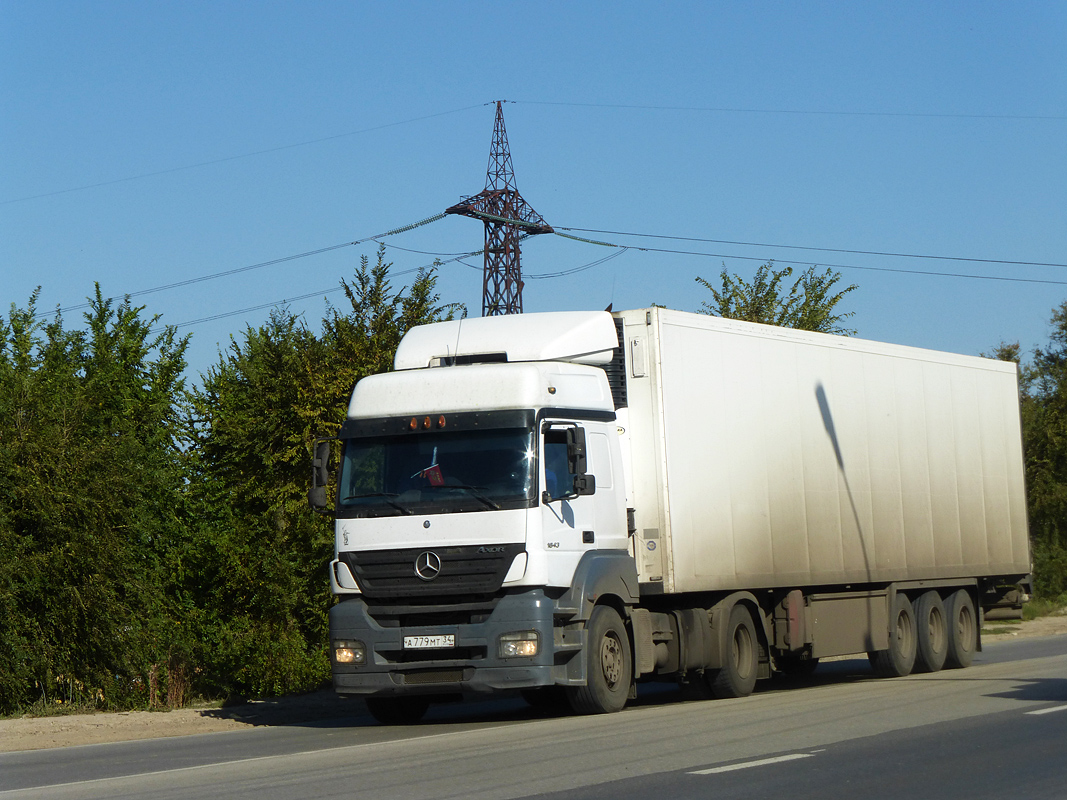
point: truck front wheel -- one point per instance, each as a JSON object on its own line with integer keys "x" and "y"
{"x": 610, "y": 665}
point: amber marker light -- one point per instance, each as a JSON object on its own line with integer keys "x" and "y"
{"x": 426, "y": 423}
{"x": 441, "y": 422}
{"x": 414, "y": 424}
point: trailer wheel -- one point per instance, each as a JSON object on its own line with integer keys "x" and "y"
{"x": 932, "y": 633}
{"x": 737, "y": 676}
{"x": 611, "y": 666}
{"x": 962, "y": 630}
{"x": 898, "y": 660}
{"x": 397, "y": 710}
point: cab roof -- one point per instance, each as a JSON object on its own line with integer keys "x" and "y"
{"x": 581, "y": 337}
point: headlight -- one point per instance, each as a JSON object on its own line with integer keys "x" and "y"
{"x": 520, "y": 643}
{"x": 346, "y": 652}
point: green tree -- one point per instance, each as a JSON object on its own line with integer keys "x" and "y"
{"x": 91, "y": 478}
{"x": 1043, "y": 390}
{"x": 257, "y": 574}
{"x": 153, "y": 541}
{"x": 808, "y": 304}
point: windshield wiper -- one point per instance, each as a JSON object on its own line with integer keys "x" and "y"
{"x": 475, "y": 492}
{"x": 387, "y": 496}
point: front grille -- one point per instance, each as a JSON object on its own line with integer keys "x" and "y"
{"x": 440, "y": 654}
{"x": 432, "y": 611}
{"x": 471, "y": 570}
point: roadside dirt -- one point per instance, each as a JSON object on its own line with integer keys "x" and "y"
{"x": 40, "y": 733}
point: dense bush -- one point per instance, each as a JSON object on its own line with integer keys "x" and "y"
{"x": 156, "y": 543}
{"x": 90, "y": 491}
{"x": 1043, "y": 395}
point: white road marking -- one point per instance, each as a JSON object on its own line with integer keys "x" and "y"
{"x": 1047, "y": 710}
{"x": 745, "y": 765}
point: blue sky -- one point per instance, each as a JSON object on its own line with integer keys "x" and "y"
{"x": 215, "y": 136}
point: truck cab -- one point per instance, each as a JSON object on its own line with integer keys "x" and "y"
{"x": 480, "y": 502}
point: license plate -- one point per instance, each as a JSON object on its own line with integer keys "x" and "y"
{"x": 428, "y": 642}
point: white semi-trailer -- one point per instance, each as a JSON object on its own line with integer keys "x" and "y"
{"x": 568, "y": 503}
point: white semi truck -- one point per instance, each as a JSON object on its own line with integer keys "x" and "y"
{"x": 569, "y": 503}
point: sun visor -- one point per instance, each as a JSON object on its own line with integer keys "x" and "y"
{"x": 582, "y": 337}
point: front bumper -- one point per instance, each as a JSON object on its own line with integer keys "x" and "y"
{"x": 472, "y": 665}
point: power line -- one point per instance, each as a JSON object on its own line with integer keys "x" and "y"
{"x": 797, "y": 112}
{"x": 623, "y": 248}
{"x": 854, "y": 266}
{"x": 576, "y": 270}
{"x": 459, "y": 258}
{"x": 260, "y": 307}
{"x": 226, "y": 159}
{"x": 428, "y": 252}
{"x": 275, "y": 303}
{"x": 931, "y": 273}
{"x": 819, "y": 249}
{"x": 215, "y": 275}
{"x": 562, "y": 273}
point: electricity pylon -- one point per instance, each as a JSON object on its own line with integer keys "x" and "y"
{"x": 508, "y": 220}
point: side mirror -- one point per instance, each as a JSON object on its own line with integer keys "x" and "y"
{"x": 320, "y": 476}
{"x": 576, "y": 450}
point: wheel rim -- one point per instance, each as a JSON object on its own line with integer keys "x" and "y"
{"x": 936, "y": 630}
{"x": 965, "y": 627}
{"x": 743, "y": 651}
{"x": 905, "y": 634}
{"x": 611, "y": 661}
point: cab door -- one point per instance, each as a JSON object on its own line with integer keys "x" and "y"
{"x": 567, "y": 496}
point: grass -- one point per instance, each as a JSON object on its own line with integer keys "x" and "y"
{"x": 1000, "y": 626}
{"x": 1032, "y": 609}
{"x": 43, "y": 708}
{"x": 1044, "y": 607}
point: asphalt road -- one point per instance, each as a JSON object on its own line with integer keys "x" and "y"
{"x": 997, "y": 729}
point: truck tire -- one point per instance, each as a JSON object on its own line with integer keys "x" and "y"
{"x": 611, "y": 665}
{"x": 397, "y": 710}
{"x": 737, "y": 676}
{"x": 931, "y": 631}
{"x": 899, "y": 659}
{"x": 962, "y": 630}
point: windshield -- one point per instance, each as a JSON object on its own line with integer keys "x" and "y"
{"x": 433, "y": 472}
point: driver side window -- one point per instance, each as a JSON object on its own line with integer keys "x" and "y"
{"x": 559, "y": 480}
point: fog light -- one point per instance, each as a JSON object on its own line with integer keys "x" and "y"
{"x": 519, "y": 644}
{"x": 345, "y": 652}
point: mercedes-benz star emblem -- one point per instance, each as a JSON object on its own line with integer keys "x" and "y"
{"x": 428, "y": 565}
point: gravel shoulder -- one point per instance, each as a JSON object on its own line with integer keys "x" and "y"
{"x": 40, "y": 733}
